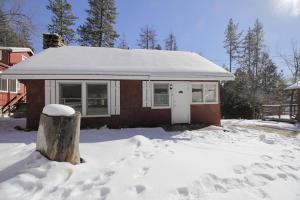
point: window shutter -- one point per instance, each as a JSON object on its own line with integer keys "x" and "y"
{"x": 118, "y": 107}
{"x": 144, "y": 93}
{"x": 47, "y": 92}
{"x": 147, "y": 94}
{"x": 115, "y": 97}
{"x": 52, "y": 91}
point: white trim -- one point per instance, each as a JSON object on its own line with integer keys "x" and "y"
{"x": 152, "y": 95}
{"x": 204, "y": 90}
{"x": 117, "y": 77}
{"x": 84, "y": 94}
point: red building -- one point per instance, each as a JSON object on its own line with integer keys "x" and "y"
{"x": 118, "y": 87}
{"x": 11, "y": 89}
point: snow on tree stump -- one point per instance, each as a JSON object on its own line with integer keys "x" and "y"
{"x": 58, "y": 134}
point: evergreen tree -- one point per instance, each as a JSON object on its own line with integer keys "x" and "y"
{"x": 98, "y": 30}
{"x": 257, "y": 80}
{"x": 232, "y": 41}
{"x": 122, "y": 42}
{"x": 62, "y": 19}
{"x": 147, "y": 38}
{"x": 171, "y": 43}
{"x": 158, "y": 47}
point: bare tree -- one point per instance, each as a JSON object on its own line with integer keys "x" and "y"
{"x": 122, "y": 42}
{"x": 232, "y": 41}
{"x": 15, "y": 23}
{"x": 147, "y": 38}
{"x": 171, "y": 43}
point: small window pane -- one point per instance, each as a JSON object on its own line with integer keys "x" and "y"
{"x": 12, "y": 85}
{"x": 161, "y": 94}
{"x": 70, "y": 95}
{"x": 3, "y": 84}
{"x": 211, "y": 93}
{"x": 97, "y": 103}
{"x": 197, "y": 93}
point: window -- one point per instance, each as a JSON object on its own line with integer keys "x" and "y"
{"x": 12, "y": 85}
{"x": 70, "y": 94}
{"x": 97, "y": 99}
{"x": 3, "y": 84}
{"x": 90, "y": 98}
{"x": 197, "y": 93}
{"x": 210, "y": 93}
{"x": 161, "y": 95}
{"x": 204, "y": 93}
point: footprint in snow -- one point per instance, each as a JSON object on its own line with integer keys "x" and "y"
{"x": 288, "y": 176}
{"x": 142, "y": 172}
{"x": 104, "y": 191}
{"x": 239, "y": 169}
{"x": 260, "y": 166}
{"x": 287, "y": 168}
{"x": 287, "y": 151}
{"x": 140, "y": 189}
{"x": 287, "y": 158}
{"x": 266, "y": 157}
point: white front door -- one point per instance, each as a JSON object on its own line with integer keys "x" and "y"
{"x": 181, "y": 102}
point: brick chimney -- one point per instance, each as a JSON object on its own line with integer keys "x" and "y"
{"x": 52, "y": 40}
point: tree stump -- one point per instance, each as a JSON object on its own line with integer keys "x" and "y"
{"x": 58, "y": 137}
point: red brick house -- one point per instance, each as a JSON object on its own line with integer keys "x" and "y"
{"x": 11, "y": 88}
{"x": 118, "y": 87}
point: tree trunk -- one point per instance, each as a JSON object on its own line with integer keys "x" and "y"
{"x": 58, "y": 137}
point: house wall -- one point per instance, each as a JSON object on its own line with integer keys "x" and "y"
{"x": 16, "y": 57}
{"x": 35, "y": 102}
{"x": 132, "y": 113}
{"x": 11, "y": 58}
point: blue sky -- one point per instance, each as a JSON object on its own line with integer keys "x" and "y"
{"x": 198, "y": 24}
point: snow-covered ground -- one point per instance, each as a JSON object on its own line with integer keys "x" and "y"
{"x": 234, "y": 162}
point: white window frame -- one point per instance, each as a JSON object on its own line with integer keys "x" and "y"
{"x": 84, "y": 94}
{"x": 108, "y": 97}
{"x": 7, "y": 90}
{"x": 204, "y": 90}
{"x": 6, "y": 85}
{"x": 161, "y": 107}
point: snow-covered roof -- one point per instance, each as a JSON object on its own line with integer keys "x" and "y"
{"x": 295, "y": 86}
{"x": 77, "y": 62}
{"x": 17, "y": 49}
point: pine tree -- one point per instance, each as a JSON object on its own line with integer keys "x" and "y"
{"x": 257, "y": 79}
{"x": 62, "y": 19}
{"x": 158, "y": 47}
{"x": 147, "y": 38}
{"x": 232, "y": 41}
{"x": 170, "y": 43}
{"x": 98, "y": 30}
{"x": 122, "y": 42}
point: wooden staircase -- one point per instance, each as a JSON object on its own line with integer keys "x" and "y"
{"x": 16, "y": 107}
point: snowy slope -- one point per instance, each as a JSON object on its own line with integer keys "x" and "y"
{"x": 149, "y": 163}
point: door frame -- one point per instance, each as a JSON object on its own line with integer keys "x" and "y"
{"x": 189, "y": 92}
